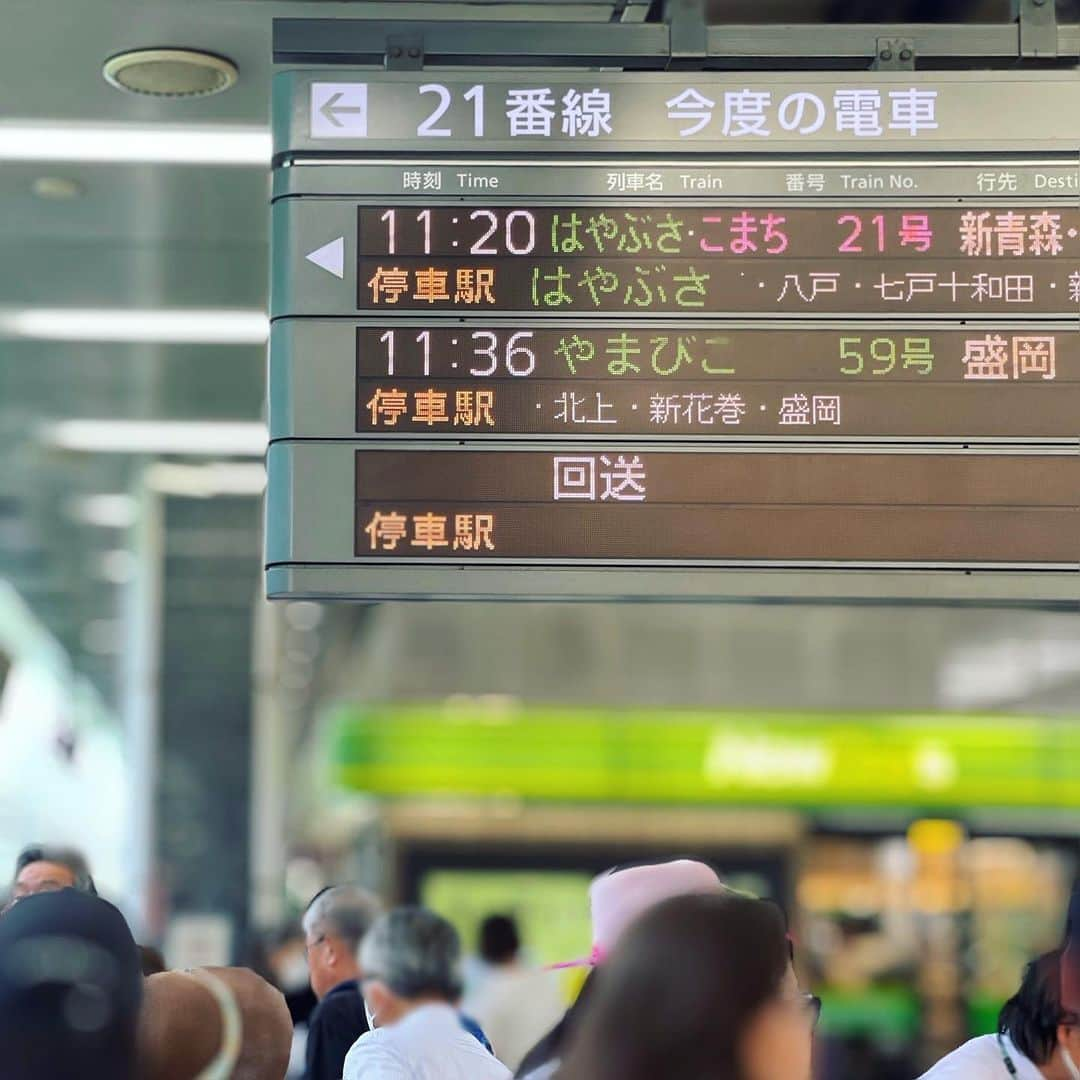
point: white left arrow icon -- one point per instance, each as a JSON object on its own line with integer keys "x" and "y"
{"x": 330, "y": 257}
{"x": 339, "y": 110}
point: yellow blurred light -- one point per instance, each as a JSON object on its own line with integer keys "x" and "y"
{"x": 933, "y": 836}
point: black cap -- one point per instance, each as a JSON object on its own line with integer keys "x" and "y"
{"x": 70, "y": 989}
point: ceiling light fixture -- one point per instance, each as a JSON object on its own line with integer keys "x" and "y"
{"x": 56, "y": 188}
{"x": 151, "y": 326}
{"x": 106, "y": 511}
{"x": 206, "y": 481}
{"x": 126, "y": 144}
{"x": 222, "y": 438}
{"x": 117, "y": 566}
{"x": 173, "y": 73}
{"x": 189, "y": 437}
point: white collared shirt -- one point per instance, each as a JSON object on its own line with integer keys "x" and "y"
{"x": 981, "y": 1059}
{"x": 428, "y": 1044}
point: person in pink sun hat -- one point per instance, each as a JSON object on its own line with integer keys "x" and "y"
{"x": 617, "y": 899}
{"x": 701, "y": 987}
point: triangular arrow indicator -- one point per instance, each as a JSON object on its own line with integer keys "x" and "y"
{"x": 330, "y": 257}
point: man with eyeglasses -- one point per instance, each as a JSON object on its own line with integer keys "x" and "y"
{"x": 334, "y": 925}
{"x": 40, "y": 868}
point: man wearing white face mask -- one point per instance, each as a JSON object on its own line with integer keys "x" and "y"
{"x": 411, "y": 962}
{"x": 1037, "y": 1036}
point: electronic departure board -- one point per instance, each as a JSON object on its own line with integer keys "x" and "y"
{"x": 609, "y": 362}
{"x": 705, "y": 381}
{"x": 588, "y": 504}
{"x": 693, "y": 259}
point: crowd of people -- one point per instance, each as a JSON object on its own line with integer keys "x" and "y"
{"x": 686, "y": 980}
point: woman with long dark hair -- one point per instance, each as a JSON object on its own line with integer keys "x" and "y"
{"x": 616, "y": 899}
{"x": 701, "y": 988}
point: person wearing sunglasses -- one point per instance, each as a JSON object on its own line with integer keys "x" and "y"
{"x": 1033, "y": 1036}
{"x": 700, "y": 988}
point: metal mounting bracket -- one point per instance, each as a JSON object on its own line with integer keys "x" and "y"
{"x": 894, "y": 54}
{"x": 1038, "y": 29}
{"x": 688, "y": 30}
{"x": 404, "y": 52}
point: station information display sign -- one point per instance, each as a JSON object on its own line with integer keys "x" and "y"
{"x": 773, "y": 354}
{"x": 469, "y": 504}
{"x": 708, "y": 381}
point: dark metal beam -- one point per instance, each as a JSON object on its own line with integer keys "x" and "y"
{"x": 654, "y": 46}
{"x": 362, "y": 42}
{"x": 858, "y": 41}
{"x": 894, "y": 11}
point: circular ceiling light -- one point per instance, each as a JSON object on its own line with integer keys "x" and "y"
{"x": 172, "y": 73}
{"x": 56, "y": 188}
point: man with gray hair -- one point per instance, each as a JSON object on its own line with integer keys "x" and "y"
{"x": 41, "y": 868}
{"x": 334, "y": 925}
{"x": 411, "y": 982}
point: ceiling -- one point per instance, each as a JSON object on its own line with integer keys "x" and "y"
{"x": 174, "y": 236}
{"x": 140, "y": 236}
